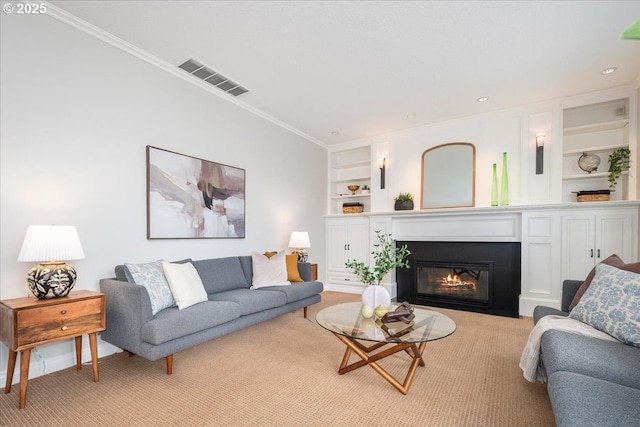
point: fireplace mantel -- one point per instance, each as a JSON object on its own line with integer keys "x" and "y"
{"x": 551, "y": 235}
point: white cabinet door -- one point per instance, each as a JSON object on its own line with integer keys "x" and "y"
{"x": 589, "y": 239}
{"x": 346, "y": 238}
{"x": 578, "y": 240}
{"x": 615, "y": 236}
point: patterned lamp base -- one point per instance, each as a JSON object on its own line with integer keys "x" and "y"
{"x": 51, "y": 280}
{"x": 303, "y": 255}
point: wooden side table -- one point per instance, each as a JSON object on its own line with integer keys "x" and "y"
{"x": 314, "y": 271}
{"x": 29, "y": 322}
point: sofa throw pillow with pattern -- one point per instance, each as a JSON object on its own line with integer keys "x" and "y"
{"x": 611, "y": 304}
{"x": 613, "y": 260}
{"x": 269, "y": 271}
{"x": 151, "y": 276}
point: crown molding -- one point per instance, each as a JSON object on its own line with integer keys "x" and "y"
{"x": 73, "y": 21}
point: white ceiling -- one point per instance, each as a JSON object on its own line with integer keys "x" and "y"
{"x": 360, "y": 67}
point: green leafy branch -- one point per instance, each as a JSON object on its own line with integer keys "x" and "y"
{"x": 386, "y": 258}
{"x": 618, "y": 162}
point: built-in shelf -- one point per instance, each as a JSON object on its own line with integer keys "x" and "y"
{"x": 590, "y": 175}
{"x": 596, "y": 127}
{"x": 351, "y": 179}
{"x": 592, "y": 149}
{"x": 351, "y": 164}
{"x": 350, "y": 196}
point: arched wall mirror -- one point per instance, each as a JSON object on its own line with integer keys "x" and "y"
{"x": 449, "y": 176}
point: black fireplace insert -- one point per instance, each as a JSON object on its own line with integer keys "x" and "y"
{"x": 473, "y": 276}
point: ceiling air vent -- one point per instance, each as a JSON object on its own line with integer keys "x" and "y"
{"x": 212, "y": 77}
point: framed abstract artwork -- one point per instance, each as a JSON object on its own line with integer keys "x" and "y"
{"x": 192, "y": 198}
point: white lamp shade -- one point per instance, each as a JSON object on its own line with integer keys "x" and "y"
{"x": 299, "y": 240}
{"x": 51, "y": 243}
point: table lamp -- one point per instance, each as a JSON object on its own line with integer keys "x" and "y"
{"x": 51, "y": 245}
{"x": 300, "y": 242}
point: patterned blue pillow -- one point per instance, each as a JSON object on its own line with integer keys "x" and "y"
{"x": 612, "y": 304}
{"x": 151, "y": 276}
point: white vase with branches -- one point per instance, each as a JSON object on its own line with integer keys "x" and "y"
{"x": 386, "y": 257}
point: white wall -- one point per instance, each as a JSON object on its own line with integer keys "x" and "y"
{"x": 76, "y": 115}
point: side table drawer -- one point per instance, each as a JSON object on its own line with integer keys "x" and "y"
{"x": 40, "y": 324}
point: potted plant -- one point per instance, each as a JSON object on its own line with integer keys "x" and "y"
{"x": 618, "y": 162}
{"x": 404, "y": 202}
{"x": 365, "y": 189}
{"x": 386, "y": 257}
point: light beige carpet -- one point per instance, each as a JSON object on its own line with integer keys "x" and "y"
{"x": 284, "y": 373}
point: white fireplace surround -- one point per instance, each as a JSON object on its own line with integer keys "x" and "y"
{"x": 556, "y": 239}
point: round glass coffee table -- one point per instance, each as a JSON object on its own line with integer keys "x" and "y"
{"x": 346, "y": 322}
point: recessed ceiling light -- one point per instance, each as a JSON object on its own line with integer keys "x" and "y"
{"x": 335, "y": 133}
{"x": 608, "y": 70}
{"x": 411, "y": 116}
{"x": 483, "y": 99}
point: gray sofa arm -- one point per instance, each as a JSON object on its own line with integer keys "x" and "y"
{"x": 569, "y": 289}
{"x": 305, "y": 271}
{"x": 128, "y": 308}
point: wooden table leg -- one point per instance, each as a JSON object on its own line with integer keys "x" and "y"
{"x": 25, "y": 358}
{"x": 78, "y": 353}
{"x": 353, "y": 346}
{"x": 11, "y": 366}
{"x": 93, "y": 344}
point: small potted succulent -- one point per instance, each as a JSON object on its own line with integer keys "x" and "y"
{"x": 404, "y": 202}
{"x": 365, "y": 189}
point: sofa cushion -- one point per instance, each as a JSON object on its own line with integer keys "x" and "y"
{"x": 607, "y": 360}
{"x": 269, "y": 270}
{"x": 173, "y": 323}
{"x": 151, "y": 276}
{"x": 583, "y": 401}
{"x": 614, "y": 261}
{"x": 298, "y": 291}
{"x": 612, "y": 304}
{"x": 221, "y": 274}
{"x": 121, "y": 273}
{"x": 185, "y": 283}
{"x": 251, "y": 301}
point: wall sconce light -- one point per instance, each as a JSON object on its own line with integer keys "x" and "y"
{"x": 540, "y": 154}
{"x": 382, "y": 166}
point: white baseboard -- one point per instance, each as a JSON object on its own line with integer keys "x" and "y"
{"x": 357, "y": 289}
{"x": 527, "y": 304}
{"x": 39, "y": 366}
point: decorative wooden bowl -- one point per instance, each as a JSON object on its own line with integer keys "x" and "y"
{"x": 353, "y": 189}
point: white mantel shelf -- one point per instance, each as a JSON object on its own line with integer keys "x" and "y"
{"x": 495, "y": 209}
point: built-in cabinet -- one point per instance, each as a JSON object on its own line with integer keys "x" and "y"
{"x": 349, "y": 167}
{"x": 590, "y": 237}
{"x": 591, "y": 133}
{"x": 346, "y": 238}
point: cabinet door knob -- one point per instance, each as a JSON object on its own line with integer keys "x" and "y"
{"x": 64, "y": 328}
{"x": 598, "y": 255}
{"x": 591, "y": 253}
{"x": 63, "y": 312}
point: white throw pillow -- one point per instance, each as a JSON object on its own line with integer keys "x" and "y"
{"x": 185, "y": 283}
{"x": 269, "y": 271}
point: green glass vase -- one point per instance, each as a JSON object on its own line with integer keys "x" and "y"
{"x": 504, "y": 184}
{"x": 494, "y": 186}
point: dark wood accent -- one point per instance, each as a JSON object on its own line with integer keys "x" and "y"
{"x": 170, "y": 364}
{"x": 29, "y": 322}
{"x": 314, "y": 271}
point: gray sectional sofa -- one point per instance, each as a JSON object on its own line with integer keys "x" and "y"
{"x": 231, "y": 306}
{"x": 591, "y": 382}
